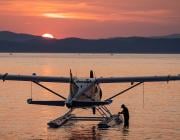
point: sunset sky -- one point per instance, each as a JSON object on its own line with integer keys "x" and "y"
{"x": 91, "y": 18}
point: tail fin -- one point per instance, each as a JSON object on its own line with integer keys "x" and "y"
{"x": 91, "y": 74}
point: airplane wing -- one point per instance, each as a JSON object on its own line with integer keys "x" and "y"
{"x": 137, "y": 79}
{"x": 34, "y": 78}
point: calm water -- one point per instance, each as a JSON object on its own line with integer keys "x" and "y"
{"x": 158, "y": 118}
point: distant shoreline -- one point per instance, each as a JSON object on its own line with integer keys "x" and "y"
{"x": 11, "y": 53}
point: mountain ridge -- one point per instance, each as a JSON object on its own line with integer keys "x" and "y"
{"x": 18, "y": 42}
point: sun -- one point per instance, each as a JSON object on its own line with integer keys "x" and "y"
{"x": 47, "y": 35}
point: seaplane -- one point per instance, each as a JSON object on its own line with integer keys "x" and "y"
{"x": 85, "y": 93}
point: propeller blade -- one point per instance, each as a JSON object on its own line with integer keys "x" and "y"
{"x": 71, "y": 76}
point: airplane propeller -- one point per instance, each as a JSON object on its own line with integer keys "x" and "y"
{"x": 92, "y": 76}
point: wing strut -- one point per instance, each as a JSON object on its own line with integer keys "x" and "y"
{"x": 124, "y": 91}
{"x": 49, "y": 90}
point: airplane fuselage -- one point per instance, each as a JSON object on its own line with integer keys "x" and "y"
{"x": 83, "y": 90}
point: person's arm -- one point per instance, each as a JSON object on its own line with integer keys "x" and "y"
{"x": 121, "y": 112}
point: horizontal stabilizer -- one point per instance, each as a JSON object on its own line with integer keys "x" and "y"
{"x": 90, "y": 103}
{"x": 49, "y": 103}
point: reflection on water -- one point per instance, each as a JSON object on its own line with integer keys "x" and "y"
{"x": 159, "y": 119}
{"x": 125, "y": 131}
{"x": 90, "y": 132}
{"x": 85, "y": 133}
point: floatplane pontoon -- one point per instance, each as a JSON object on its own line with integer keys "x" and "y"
{"x": 85, "y": 93}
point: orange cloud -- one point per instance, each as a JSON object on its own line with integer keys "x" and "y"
{"x": 88, "y": 10}
{"x": 93, "y": 17}
{"x": 148, "y": 16}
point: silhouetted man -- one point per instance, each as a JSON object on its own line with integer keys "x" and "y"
{"x": 125, "y": 113}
